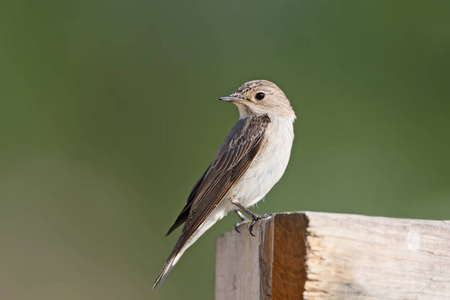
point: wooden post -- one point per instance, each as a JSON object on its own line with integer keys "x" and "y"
{"x": 335, "y": 256}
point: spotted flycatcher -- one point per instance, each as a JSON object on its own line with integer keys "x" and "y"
{"x": 249, "y": 162}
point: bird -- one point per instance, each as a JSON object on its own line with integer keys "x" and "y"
{"x": 250, "y": 161}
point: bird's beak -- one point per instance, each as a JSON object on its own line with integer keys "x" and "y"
{"x": 232, "y": 98}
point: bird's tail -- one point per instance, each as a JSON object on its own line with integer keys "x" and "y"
{"x": 174, "y": 256}
{"x": 164, "y": 272}
{"x": 182, "y": 244}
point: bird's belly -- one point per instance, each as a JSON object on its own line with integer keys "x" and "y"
{"x": 263, "y": 173}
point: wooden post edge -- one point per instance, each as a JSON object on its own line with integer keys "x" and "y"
{"x": 311, "y": 255}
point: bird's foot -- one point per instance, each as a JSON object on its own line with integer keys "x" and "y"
{"x": 242, "y": 218}
{"x": 256, "y": 218}
{"x": 236, "y": 226}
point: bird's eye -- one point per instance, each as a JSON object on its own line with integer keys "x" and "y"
{"x": 260, "y": 96}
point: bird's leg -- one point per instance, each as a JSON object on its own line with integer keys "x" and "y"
{"x": 242, "y": 218}
{"x": 254, "y": 216}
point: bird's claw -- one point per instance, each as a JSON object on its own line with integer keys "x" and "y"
{"x": 236, "y": 226}
{"x": 250, "y": 228}
{"x": 256, "y": 218}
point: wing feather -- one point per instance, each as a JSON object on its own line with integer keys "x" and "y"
{"x": 232, "y": 160}
{"x": 234, "y": 157}
{"x": 182, "y": 217}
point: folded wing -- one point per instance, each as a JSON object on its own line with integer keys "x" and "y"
{"x": 234, "y": 157}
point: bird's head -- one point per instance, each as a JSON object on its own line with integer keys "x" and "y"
{"x": 259, "y": 97}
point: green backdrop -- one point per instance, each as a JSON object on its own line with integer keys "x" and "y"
{"x": 108, "y": 116}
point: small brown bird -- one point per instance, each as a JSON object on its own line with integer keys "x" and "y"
{"x": 250, "y": 161}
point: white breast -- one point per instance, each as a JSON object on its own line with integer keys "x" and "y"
{"x": 263, "y": 173}
{"x": 268, "y": 166}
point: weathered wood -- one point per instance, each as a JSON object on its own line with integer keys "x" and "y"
{"x": 265, "y": 266}
{"x": 335, "y": 256}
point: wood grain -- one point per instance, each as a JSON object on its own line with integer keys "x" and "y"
{"x": 288, "y": 268}
{"x": 359, "y": 257}
{"x": 335, "y": 256}
{"x": 243, "y": 263}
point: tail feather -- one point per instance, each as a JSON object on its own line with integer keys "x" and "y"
{"x": 183, "y": 243}
{"x": 174, "y": 256}
{"x": 164, "y": 272}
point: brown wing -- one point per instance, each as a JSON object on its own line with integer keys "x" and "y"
{"x": 237, "y": 152}
{"x": 234, "y": 157}
{"x": 232, "y": 160}
{"x": 182, "y": 217}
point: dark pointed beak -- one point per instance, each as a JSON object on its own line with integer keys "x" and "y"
{"x": 231, "y": 98}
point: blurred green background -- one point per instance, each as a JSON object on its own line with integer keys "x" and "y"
{"x": 108, "y": 116}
